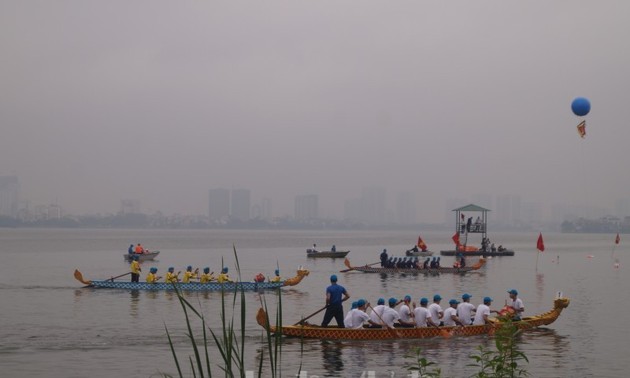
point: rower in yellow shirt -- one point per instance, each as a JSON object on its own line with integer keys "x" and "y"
{"x": 135, "y": 269}
{"x": 152, "y": 277}
{"x": 277, "y": 278}
{"x": 224, "y": 277}
{"x": 189, "y": 274}
{"x": 206, "y": 276}
{"x": 171, "y": 277}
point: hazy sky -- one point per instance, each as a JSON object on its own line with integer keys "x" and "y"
{"x": 162, "y": 100}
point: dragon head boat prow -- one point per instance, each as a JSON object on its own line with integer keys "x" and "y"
{"x": 301, "y": 273}
{"x": 561, "y": 303}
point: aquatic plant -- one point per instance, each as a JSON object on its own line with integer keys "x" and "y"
{"x": 504, "y": 361}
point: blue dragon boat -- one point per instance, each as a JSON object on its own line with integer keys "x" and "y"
{"x": 191, "y": 286}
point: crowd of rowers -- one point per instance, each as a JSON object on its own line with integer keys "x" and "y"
{"x": 190, "y": 275}
{"x": 458, "y": 313}
{"x": 414, "y": 262}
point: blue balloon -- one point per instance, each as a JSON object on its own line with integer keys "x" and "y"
{"x": 581, "y": 106}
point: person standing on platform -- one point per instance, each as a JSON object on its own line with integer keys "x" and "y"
{"x": 334, "y": 306}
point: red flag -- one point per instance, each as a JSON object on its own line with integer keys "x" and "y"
{"x": 456, "y": 239}
{"x": 617, "y": 239}
{"x": 581, "y": 128}
{"x": 540, "y": 244}
{"x": 421, "y": 244}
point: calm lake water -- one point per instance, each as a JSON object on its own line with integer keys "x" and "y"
{"x": 52, "y": 327}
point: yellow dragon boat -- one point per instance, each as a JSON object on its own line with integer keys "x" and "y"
{"x": 309, "y": 331}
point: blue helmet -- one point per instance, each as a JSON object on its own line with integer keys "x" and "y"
{"x": 277, "y": 272}
{"x": 355, "y": 304}
{"x": 424, "y": 301}
{"x": 333, "y": 278}
{"x": 487, "y": 300}
{"x": 206, "y": 270}
{"x": 408, "y": 297}
{"x": 171, "y": 269}
{"x": 361, "y": 302}
{"x": 437, "y": 297}
{"x": 153, "y": 270}
{"x": 189, "y": 268}
{"x": 225, "y": 269}
{"x": 392, "y": 301}
{"x": 381, "y": 301}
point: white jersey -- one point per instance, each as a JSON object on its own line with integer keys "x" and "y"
{"x": 347, "y": 321}
{"x": 377, "y": 310}
{"x": 421, "y": 315}
{"x": 482, "y": 310}
{"x": 405, "y": 313}
{"x": 465, "y": 312}
{"x": 435, "y": 310}
{"x": 358, "y": 318}
{"x": 448, "y": 317}
{"x": 518, "y": 305}
{"x": 390, "y": 316}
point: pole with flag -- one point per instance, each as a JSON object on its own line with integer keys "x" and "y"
{"x": 540, "y": 245}
{"x": 617, "y": 240}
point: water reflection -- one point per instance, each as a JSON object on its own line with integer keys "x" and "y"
{"x": 540, "y": 286}
{"x": 133, "y": 304}
{"x": 332, "y": 357}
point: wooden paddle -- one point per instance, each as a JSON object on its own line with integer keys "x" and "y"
{"x": 316, "y": 312}
{"x": 346, "y": 262}
{"x": 122, "y": 275}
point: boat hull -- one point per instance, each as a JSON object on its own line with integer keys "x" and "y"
{"x": 192, "y": 286}
{"x": 141, "y": 256}
{"x": 308, "y": 331}
{"x": 336, "y": 254}
{"x": 419, "y": 253}
{"x": 507, "y": 252}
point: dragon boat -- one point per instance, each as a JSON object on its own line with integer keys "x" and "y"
{"x": 309, "y": 331}
{"x": 192, "y": 286}
{"x": 334, "y": 254}
{"x": 369, "y": 269}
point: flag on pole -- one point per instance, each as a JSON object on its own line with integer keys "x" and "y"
{"x": 456, "y": 239}
{"x": 421, "y": 244}
{"x": 581, "y": 129}
{"x": 617, "y": 239}
{"x": 540, "y": 244}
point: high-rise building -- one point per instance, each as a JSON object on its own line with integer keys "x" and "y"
{"x": 218, "y": 204}
{"x": 240, "y": 204}
{"x": 306, "y": 207}
{"x": 9, "y": 195}
{"x": 374, "y": 200}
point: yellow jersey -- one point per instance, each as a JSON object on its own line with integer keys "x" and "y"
{"x": 171, "y": 277}
{"x": 205, "y": 278}
{"x": 276, "y": 279}
{"x": 152, "y": 278}
{"x": 223, "y": 277}
{"x": 188, "y": 275}
{"x": 135, "y": 267}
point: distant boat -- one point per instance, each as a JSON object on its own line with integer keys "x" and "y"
{"x": 141, "y": 256}
{"x": 334, "y": 254}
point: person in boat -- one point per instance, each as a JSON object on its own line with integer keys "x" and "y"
{"x": 425, "y": 265}
{"x": 436, "y": 310}
{"x": 484, "y": 244}
{"x": 377, "y": 312}
{"x": 432, "y": 264}
{"x": 493, "y": 248}
{"x": 223, "y": 276}
{"x": 314, "y": 249}
{"x": 347, "y": 321}
{"x": 152, "y": 277}
{"x": 404, "y": 311}
{"x": 359, "y": 316}
{"x": 517, "y": 304}
{"x": 450, "y": 318}
{"x": 130, "y": 250}
{"x": 139, "y": 249}
{"x": 466, "y": 310}
{"x": 135, "y": 269}
{"x": 410, "y": 252}
{"x": 416, "y": 263}
{"x": 333, "y": 248}
{"x": 500, "y": 249}
{"x": 422, "y": 315}
{"x": 391, "y": 317}
{"x": 189, "y": 274}
{"x": 483, "y": 312}
{"x": 277, "y": 277}
{"x": 206, "y": 276}
{"x": 384, "y": 258}
{"x": 171, "y": 276}
{"x": 334, "y": 305}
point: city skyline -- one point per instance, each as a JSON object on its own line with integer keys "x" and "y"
{"x": 441, "y": 100}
